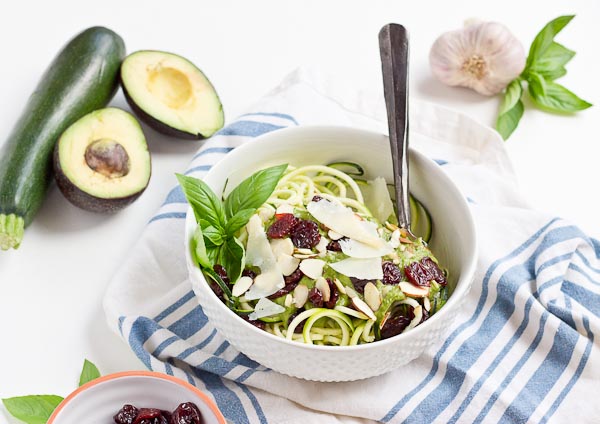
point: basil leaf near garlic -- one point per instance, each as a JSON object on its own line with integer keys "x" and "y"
{"x": 483, "y": 56}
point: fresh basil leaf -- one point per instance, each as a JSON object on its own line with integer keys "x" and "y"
{"x": 551, "y": 64}
{"x": 254, "y": 190}
{"x": 213, "y": 236}
{"x": 544, "y": 39}
{"x": 537, "y": 84}
{"x": 205, "y": 203}
{"x": 199, "y": 249}
{"x": 558, "y": 99}
{"x": 233, "y": 258}
{"x": 238, "y": 220}
{"x": 512, "y": 95}
{"x": 35, "y": 409}
{"x": 214, "y": 254}
{"x": 88, "y": 373}
{"x": 508, "y": 121}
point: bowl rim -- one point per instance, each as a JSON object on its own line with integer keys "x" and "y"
{"x": 152, "y": 374}
{"x": 466, "y": 276}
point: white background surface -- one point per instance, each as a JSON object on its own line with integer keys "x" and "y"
{"x": 52, "y": 287}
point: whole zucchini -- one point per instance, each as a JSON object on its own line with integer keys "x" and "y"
{"x": 82, "y": 78}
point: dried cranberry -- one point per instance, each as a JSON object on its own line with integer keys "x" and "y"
{"x": 394, "y": 326}
{"x": 221, "y": 272}
{"x": 255, "y": 322}
{"x": 391, "y": 273}
{"x": 359, "y": 285}
{"x": 249, "y": 273}
{"x": 316, "y": 297}
{"x": 436, "y": 273}
{"x": 291, "y": 281}
{"x": 334, "y": 246}
{"x": 425, "y": 316}
{"x": 305, "y": 234}
{"x": 317, "y": 198}
{"x": 187, "y": 413}
{"x": 150, "y": 416}
{"x": 217, "y": 290}
{"x": 126, "y": 415}
{"x": 300, "y": 326}
{"x": 282, "y": 226}
{"x": 333, "y": 296}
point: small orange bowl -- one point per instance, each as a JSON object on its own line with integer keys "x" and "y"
{"x": 99, "y": 400}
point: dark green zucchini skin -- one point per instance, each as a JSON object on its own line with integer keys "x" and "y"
{"x": 82, "y": 78}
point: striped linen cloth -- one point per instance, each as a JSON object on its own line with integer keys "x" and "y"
{"x": 523, "y": 349}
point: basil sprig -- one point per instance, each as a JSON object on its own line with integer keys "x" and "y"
{"x": 214, "y": 241}
{"x": 545, "y": 63}
{"x": 37, "y": 409}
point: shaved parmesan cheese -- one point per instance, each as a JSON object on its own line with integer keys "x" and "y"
{"x": 344, "y": 221}
{"x": 365, "y": 269}
{"x": 265, "y": 308}
{"x": 377, "y": 199}
{"x": 259, "y": 253}
{"x": 356, "y": 249}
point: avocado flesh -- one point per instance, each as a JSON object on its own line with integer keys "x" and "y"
{"x": 171, "y": 94}
{"x": 102, "y": 162}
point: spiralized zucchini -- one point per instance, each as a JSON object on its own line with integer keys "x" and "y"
{"x": 342, "y": 325}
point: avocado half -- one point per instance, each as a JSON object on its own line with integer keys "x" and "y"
{"x": 171, "y": 94}
{"x": 102, "y": 162}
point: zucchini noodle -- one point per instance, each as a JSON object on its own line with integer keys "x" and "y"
{"x": 342, "y": 324}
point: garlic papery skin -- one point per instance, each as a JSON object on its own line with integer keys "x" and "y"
{"x": 484, "y": 56}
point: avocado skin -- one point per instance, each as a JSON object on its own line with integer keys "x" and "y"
{"x": 85, "y": 201}
{"x": 154, "y": 123}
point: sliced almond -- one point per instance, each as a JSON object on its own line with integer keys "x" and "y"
{"x": 287, "y": 263}
{"x": 351, "y": 292}
{"x": 427, "y": 304}
{"x": 285, "y": 208}
{"x": 411, "y": 290}
{"x": 372, "y": 296}
{"x": 303, "y": 251}
{"x": 333, "y": 235}
{"x": 391, "y": 226}
{"x": 300, "y": 295}
{"x": 312, "y": 268}
{"x": 288, "y": 300}
{"x": 304, "y": 256}
{"x": 339, "y": 285}
{"x": 241, "y": 286}
{"x": 323, "y": 287}
{"x": 322, "y": 246}
{"x": 283, "y": 245}
{"x": 361, "y": 306}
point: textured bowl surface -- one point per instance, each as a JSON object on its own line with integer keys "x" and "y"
{"x": 453, "y": 243}
{"x": 99, "y": 400}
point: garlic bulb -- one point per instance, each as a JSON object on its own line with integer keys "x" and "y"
{"x": 484, "y": 56}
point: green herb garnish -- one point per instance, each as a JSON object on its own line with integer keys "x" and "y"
{"x": 545, "y": 63}
{"x": 37, "y": 409}
{"x": 214, "y": 240}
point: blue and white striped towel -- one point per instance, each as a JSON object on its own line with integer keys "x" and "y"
{"x": 524, "y": 349}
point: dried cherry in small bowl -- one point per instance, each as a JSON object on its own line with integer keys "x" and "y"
{"x": 98, "y": 401}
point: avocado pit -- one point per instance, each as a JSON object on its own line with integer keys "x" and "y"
{"x": 108, "y": 158}
{"x": 102, "y": 162}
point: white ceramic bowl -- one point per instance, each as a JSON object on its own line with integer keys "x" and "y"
{"x": 99, "y": 400}
{"x": 453, "y": 242}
